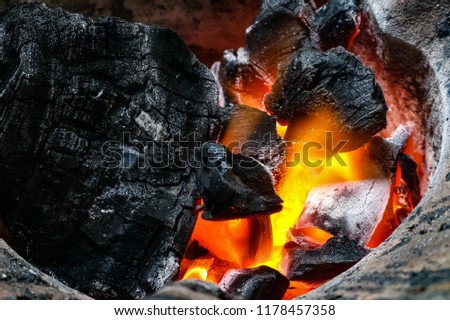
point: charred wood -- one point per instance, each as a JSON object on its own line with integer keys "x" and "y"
{"x": 409, "y": 174}
{"x": 276, "y": 35}
{"x": 335, "y": 89}
{"x": 192, "y": 290}
{"x": 336, "y": 24}
{"x": 334, "y": 257}
{"x": 252, "y": 133}
{"x": 260, "y": 283}
{"x": 97, "y": 118}
{"x": 387, "y": 151}
{"x": 235, "y": 186}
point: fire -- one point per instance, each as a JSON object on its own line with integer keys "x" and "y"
{"x": 243, "y": 242}
{"x": 252, "y": 242}
{"x": 297, "y": 181}
{"x": 281, "y": 130}
{"x": 256, "y": 241}
{"x": 315, "y": 234}
{"x": 293, "y": 190}
{"x": 400, "y": 203}
{"x": 199, "y": 269}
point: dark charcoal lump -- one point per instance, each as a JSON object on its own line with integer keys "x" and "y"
{"x": 409, "y": 174}
{"x": 235, "y": 186}
{"x": 191, "y": 289}
{"x": 335, "y": 23}
{"x": 335, "y": 84}
{"x": 277, "y": 33}
{"x": 252, "y": 133}
{"x": 334, "y": 257}
{"x": 260, "y": 283}
{"x": 96, "y": 117}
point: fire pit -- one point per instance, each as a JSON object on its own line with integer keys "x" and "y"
{"x": 289, "y": 164}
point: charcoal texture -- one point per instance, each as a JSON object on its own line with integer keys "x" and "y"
{"x": 333, "y": 87}
{"x": 252, "y": 133}
{"x": 260, "y": 283}
{"x": 334, "y": 257}
{"x": 191, "y": 289}
{"x": 409, "y": 174}
{"x": 97, "y": 118}
{"x": 277, "y": 34}
{"x": 336, "y": 24}
{"x": 235, "y": 186}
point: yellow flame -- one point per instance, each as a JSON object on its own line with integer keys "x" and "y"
{"x": 293, "y": 190}
{"x": 281, "y": 130}
{"x": 199, "y": 269}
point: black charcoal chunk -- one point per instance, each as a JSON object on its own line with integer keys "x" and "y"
{"x": 252, "y": 133}
{"x": 260, "y": 283}
{"x": 333, "y": 90}
{"x": 276, "y": 35}
{"x": 192, "y": 289}
{"x": 334, "y": 257}
{"x": 336, "y": 24}
{"x": 235, "y": 186}
{"x": 95, "y": 116}
{"x": 409, "y": 175}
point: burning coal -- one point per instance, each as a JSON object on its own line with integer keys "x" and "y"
{"x": 344, "y": 185}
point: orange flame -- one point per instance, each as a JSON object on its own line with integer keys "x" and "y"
{"x": 399, "y": 207}
{"x": 199, "y": 269}
{"x": 245, "y": 242}
{"x": 256, "y": 241}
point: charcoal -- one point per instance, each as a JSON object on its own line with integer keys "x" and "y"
{"x": 235, "y": 186}
{"x": 191, "y": 289}
{"x": 336, "y": 24}
{"x": 252, "y": 133}
{"x": 386, "y": 151}
{"x": 276, "y": 35}
{"x": 333, "y": 258}
{"x": 240, "y": 80}
{"x": 334, "y": 89}
{"x": 94, "y": 116}
{"x": 352, "y": 206}
{"x": 260, "y": 283}
{"x": 409, "y": 174}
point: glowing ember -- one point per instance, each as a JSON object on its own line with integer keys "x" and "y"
{"x": 199, "y": 269}
{"x": 314, "y": 168}
{"x": 244, "y": 242}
